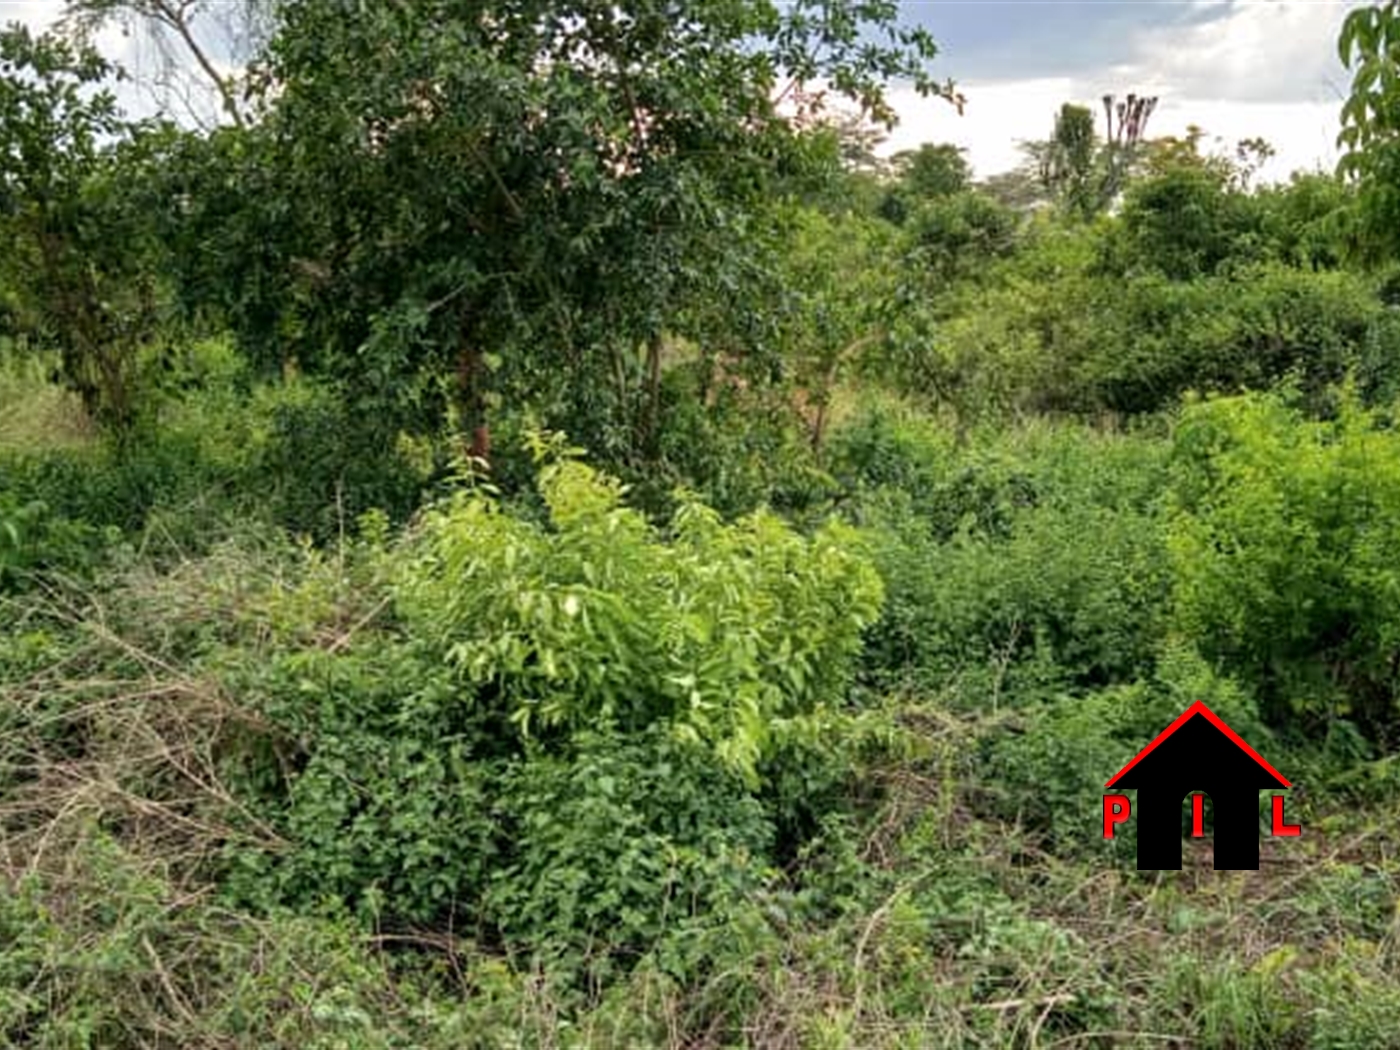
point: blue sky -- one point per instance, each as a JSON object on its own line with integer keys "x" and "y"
{"x": 1008, "y": 38}
{"x": 1237, "y": 68}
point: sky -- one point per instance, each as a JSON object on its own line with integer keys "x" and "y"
{"x": 1236, "y": 68}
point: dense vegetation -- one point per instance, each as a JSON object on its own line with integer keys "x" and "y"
{"x": 529, "y": 530}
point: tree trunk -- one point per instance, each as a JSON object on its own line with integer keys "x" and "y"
{"x": 471, "y": 403}
{"x": 652, "y": 408}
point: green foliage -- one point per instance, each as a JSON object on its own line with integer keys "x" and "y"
{"x": 1012, "y": 570}
{"x": 76, "y": 276}
{"x": 33, "y": 539}
{"x": 1369, "y": 44}
{"x": 1281, "y": 540}
{"x": 1308, "y": 220}
{"x": 450, "y": 208}
{"x": 958, "y": 235}
{"x": 933, "y": 170}
{"x": 1083, "y": 173}
{"x": 835, "y": 320}
{"x": 1068, "y": 165}
{"x": 1053, "y": 764}
{"x": 734, "y": 634}
{"x": 788, "y": 724}
{"x": 628, "y": 843}
{"x": 1154, "y": 339}
{"x": 316, "y": 467}
{"x": 1231, "y": 1004}
{"x": 387, "y": 808}
{"x": 1183, "y": 222}
{"x": 1090, "y": 321}
{"x": 923, "y": 175}
{"x": 291, "y": 454}
{"x": 574, "y": 731}
{"x": 136, "y": 963}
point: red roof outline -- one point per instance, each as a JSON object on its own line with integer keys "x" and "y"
{"x": 1198, "y": 708}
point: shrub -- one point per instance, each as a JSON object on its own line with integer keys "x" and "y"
{"x": 958, "y": 235}
{"x": 573, "y": 733}
{"x": 1282, "y": 541}
{"x": 732, "y": 633}
{"x": 316, "y": 467}
{"x": 33, "y": 539}
{"x": 625, "y": 843}
{"x": 1053, "y": 766}
{"x": 1246, "y": 331}
{"x": 1019, "y": 565}
{"x": 1048, "y": 332}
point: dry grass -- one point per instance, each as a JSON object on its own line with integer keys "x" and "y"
{"x": 36, "y": 415}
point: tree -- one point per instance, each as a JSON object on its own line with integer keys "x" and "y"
{"x": 1086, "y": 173}
{"x": 839, "y": 286}
{"x": 1020, "y": 188}
{"x": 524, "y": 195}
{"x": 930, "y": 172}
{"x": 1182, "y": 218}
{"x": 1123, "y": 139}
{"x": 76, "y": 269}
{"x": 1251, "y": 155}
{"x": 1068, "y": 160}
{"x": 955, "y": 236}
{"x": 934, "y": 170}
{"x": 1369, "y": 45}
{"x": 858, "y": 141}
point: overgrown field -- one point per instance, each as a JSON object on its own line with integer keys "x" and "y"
{"x": 541, "y": 771}
{"x": 527, "y": 528}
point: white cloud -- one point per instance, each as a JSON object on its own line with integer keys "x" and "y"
{"x": 997, "y": 116}
{"x": 1273, "y": 51}
{"x": 36, "y": 14}
{"x": 1260, "y": 69}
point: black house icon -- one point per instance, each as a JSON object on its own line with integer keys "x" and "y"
{"x": 1198, "y": 752}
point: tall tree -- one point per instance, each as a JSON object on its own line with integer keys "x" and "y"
{"x": 1068, "y": 160}
{"x": 526, "y": 195}
{"x": 1123, "y": 139}
{"x": 1085, "y": 172}
{"x": 76, "y": 275}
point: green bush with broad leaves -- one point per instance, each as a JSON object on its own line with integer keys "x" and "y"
{"x": 33, "y": 538}
{"x": 732, "y": 633}
{"x": 573, "y": 728}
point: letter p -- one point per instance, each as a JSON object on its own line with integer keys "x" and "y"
{"x": 1115, "y": 810}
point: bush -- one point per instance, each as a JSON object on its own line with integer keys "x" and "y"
{"x": 1053, "y": 766}
{"x": 1282, "y": 542}
{"x": 1019, "y": 565}
{"x": 32, "y": 539}
{"x": 625, "y": 844}
{"x": 732, "y": 633}
{"x": 1158, "y": 339}
{"x": 1050, "y": 332}
{"x": 571, "y": 733}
